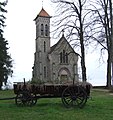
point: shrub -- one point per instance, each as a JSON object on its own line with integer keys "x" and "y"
{"x": 37, "y": 81}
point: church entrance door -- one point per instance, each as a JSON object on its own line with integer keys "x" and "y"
{"x": 64, "y": 76}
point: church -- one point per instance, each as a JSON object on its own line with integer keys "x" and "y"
{"x": 57, "y": 63}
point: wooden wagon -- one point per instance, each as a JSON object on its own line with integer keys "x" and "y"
{"x": 71, "y": 95}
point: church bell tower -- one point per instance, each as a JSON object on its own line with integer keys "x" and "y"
{"x": 42, "y": 45}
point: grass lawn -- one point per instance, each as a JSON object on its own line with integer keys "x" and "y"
{"x": 100, "y": 107}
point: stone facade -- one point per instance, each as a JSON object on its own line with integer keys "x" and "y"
{"x": 57, "y": 63}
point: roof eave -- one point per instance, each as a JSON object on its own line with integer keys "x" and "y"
{"x": 42, "y": 16}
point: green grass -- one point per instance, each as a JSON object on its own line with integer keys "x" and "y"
{"x": 100, "y": 107}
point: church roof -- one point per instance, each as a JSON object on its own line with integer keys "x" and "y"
{"x": 54, "y": 46}
{"x": 42, "y": 13}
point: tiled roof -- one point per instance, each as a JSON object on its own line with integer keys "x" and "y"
{"x": 42, "y": 13}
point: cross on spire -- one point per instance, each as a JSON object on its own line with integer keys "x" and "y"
{"x": 42, "y": 3}
{"x": 63, "y": 32}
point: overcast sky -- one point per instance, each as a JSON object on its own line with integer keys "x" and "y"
{"x": 20, "y": 33}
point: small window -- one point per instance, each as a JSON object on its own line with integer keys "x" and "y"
{"x": 46, "y": 30}
{"x": 61, "y": 57}
{"x": 42, "y": 29}
{"x": 45, "y": 72}
{"x": 44, "y": 46}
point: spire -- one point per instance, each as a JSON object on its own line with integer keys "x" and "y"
{"x": 43, "y": 13}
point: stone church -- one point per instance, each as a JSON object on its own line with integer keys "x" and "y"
{"x": 57, "y": 63}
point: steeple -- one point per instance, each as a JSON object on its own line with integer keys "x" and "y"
{"x": 42, "y": 22}
{"x": 43, "y": 13}
{"x": 42, "y": 41}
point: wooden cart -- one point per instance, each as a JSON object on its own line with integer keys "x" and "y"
{"x": 71, "y": 95}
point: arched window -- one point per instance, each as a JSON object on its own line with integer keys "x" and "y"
{"x": 45, "y": 74}
{"x": 66, "y": 56}
{"x": 63, "y": 57}
{"x": 44, "y": 46}
{"x": 46, "y": 30}
{"x": 42, "y": 29}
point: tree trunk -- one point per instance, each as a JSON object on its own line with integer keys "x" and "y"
{"x": 82, "y": 54}
{"x": 82, "y": 45}
{"x": 83, "y": 58}
{"x": 83, "y": 63}
{"x": 108, "y": 84}
{"x": 107, "y": 22}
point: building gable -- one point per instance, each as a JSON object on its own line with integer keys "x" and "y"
{"x": 63, "y": 44}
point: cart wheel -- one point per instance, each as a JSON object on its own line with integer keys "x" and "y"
{"x": 34, "y": 99}
{"x": 25, "y": 98}
{"x": 74, "y": 96}
{"x": 18, "y": 99}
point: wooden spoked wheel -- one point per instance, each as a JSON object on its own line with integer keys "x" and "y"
{"x": 19, "y": 99}
{"x": 25, "y": 98}
{"x": 74, "y": 96}
{"x": 34, "y": 99}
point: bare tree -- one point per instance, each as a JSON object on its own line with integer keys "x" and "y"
{"x": 103, "y": 19}
{"x": 73, "y": 17}
{"x": 86, "y": 25}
